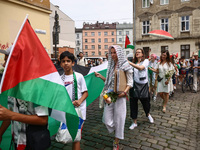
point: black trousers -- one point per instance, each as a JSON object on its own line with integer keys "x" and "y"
{"x": 134, "y": 106}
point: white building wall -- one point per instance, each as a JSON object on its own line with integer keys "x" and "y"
{"x": 67, "y": 29}
{"x": 79, "y": 40}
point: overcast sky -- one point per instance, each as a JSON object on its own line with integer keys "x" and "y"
{"x": 96, "y": 10}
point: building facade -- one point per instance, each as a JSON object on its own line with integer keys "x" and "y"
{"x": 123, "y": 30}
{"x": 97, "y": 38}
{"x": 178, "y": 17}
{"x": 67, "y": 32}
{"x": 12, "y": 16}
{"x": 79, "y": 41}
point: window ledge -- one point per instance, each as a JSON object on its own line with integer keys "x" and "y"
{"x": 185, "y": 31}
{"x": 163, "y": 4}
{"x": 145, "y": 34}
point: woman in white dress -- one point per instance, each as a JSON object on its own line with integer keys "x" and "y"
{"x": 162, "y": 67}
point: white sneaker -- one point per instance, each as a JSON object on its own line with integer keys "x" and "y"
{"x": 154, "y": 98}
{"x": 133, "y": 125}
{"x": 150, "y": 119}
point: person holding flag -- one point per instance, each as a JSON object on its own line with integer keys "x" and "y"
{"x": 20, "y": 113}
{"x": 77, "y": 89}
{"x": 34, "y": 84}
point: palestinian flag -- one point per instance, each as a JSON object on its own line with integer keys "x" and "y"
{"x": 31, "y": 76}
{"x": 128, "y": 43}
{"x": 94, "y": 85}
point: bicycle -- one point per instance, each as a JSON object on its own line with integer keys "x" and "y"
{"x": 187, "y": 81}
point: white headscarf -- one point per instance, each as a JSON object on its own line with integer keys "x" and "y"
{"x": 122, "y": 64}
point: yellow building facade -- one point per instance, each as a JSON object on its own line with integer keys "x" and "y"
{"x": 12, "y": 15}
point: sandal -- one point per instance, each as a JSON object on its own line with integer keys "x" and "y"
{"x": 164, "y": 109}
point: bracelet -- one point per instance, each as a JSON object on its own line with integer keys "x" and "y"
{"x": 126, "y": 95}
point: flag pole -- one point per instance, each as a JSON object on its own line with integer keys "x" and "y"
{"x": 12, "y": 51}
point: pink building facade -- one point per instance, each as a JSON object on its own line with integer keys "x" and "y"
{"x": 97, "y": 38}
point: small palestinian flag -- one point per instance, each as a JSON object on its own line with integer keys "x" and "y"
{"x": 128, "y": 43}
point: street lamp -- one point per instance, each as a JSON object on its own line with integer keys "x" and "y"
{"x": 134, "y": 26}
{"x": 56, "y": 31}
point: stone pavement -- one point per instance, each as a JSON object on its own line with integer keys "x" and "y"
{"x": 178, "y": 128}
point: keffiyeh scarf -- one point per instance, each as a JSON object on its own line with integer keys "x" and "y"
{"x": 122, "y": 64}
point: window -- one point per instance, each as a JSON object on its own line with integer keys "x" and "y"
{"x": 86, "y": 54}
{"x": 93, "y": 53}
{"x": 185, "y": 25}
{"x": 86, "y": 47}
{"x": 184, "y": 0}
{"x": 112, "y": 33}
{"x": 164, "y": 2}
{"x": 86, "y": 40}
{"x": 92, "y": 34}
{"x": 127, "y": 32}
{"x": 105, "y": 40}
{"x": 146, "y": 52}
{"x": 100, "y": 53}
{"x": 99, "y": 46}
{"x": 93, "y": 40}
{"x": 85, "y": 33}
{"x": 77, "y": 43}
{"x": 145, "y": 3}
{"x": 105, "y": 46}
{"x": 120, "y": 39}
{"x": 93, "y": 46}
{"x": 164, "y": 24}
{"x": 145, "y": 27}
{"x": 185, "y": 51}
{"x": 120, "y": 32}
{"x": 99, "y": 33}
{"x": 105, "y": 33}
{"x": 77, "y": 49}
{"x": 105, "y": 52}
{"x": 77, "y": 36}
{"x": 163, "y": 48}
{"x": 113, "y": 40}
{"x": 99, "y": 40}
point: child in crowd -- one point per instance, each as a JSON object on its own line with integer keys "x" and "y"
{"x": 72, "y": 80}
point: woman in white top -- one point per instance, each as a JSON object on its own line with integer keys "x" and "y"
{"x": 163, "y": 86}
{"x": 114, "y": 115}
{"x": 140, "y": 88}
{"x": 152, "y": 76}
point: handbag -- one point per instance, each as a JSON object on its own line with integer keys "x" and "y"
{"x": 159, "y": 78}
{"x": 63, "y": 134}
{"x": 38, "y": 137}
{"x": 120, "y": 81}
{"x": 140, "y": 90}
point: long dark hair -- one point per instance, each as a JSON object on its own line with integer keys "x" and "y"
{"x": 135, "y": 60}
{"x": 167, "y": 59}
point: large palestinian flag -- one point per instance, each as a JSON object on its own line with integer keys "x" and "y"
{"x": 31, "y": 76}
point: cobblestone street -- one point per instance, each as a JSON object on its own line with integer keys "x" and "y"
{"x": 178, "y": 128}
